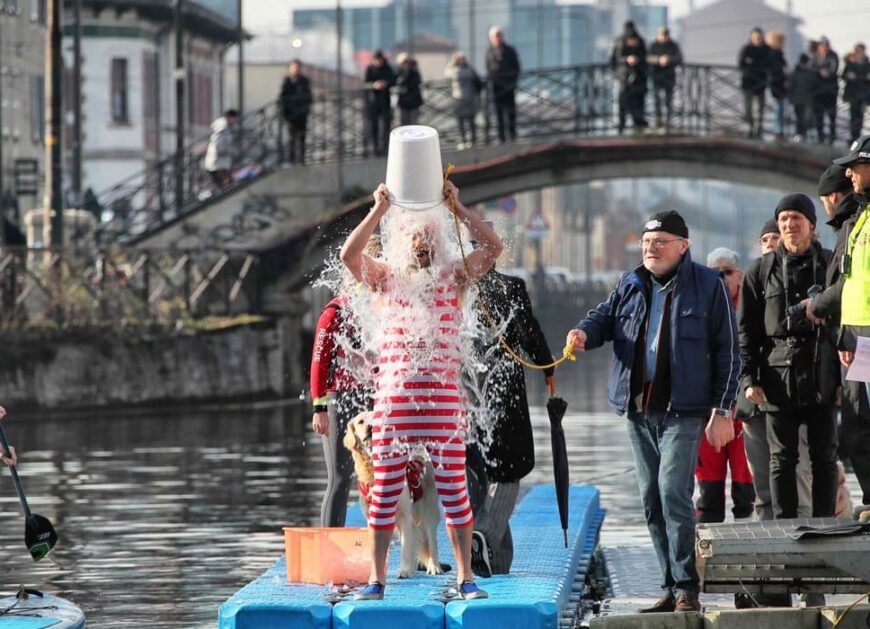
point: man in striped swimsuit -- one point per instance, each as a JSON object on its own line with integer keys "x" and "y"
{"x": 418, "y": 397}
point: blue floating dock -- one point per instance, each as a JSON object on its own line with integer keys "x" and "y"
{"x": 535, "y": 595}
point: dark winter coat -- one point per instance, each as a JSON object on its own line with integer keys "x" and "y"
{"x": 827, "y": 305}
{"x": 827, "y": 86}
{"x": 408, "y": 82}
{"x": 295, "y": 98}
{"x": 777, "y": 76}
{"x": 664, "y": 76}
{"x": 634, "y": 77}
{"x": 378, "y": 101}
{"x": 502, "y": 70}
{"x": 512, "y": 453}
{"x": 754, "y": 64}
{"x": 791, "y": 363}
{"x": 856, "y": 75}
{"x": 802, "y": 85}
{"x": 703, "y": 349}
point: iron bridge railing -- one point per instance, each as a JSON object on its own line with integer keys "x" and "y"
{"x": 575, "y": 101}
{"x": 114, "y": 287}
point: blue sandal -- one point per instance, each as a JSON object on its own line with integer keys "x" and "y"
{"x": 372, "y": 592}
{"x": 469, "y": 591}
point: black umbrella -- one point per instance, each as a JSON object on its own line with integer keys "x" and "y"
{"x": 556, "y": 408}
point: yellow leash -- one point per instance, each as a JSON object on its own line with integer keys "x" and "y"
{"x": 567, "y": 353}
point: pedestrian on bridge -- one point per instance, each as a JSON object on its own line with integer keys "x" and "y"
{"x": 379, "y": 79}
{"x": 777, "y": 80}
{"x": 664, "y": 57}
{"x": 219, "y": 154}
{"x": 628, "y": 60}
{"x": 801, "y": 88}
{"x": 503, "y": 73}
{"x": 856, "y": 75}
{"x": 295, "y": 105}
{"x": 754, "y": 64}
{"x": 408, "y": 87}
{"x": 675, "y": 363}
{"x": 465, "y": 89}
{"x": 825, "y": 64}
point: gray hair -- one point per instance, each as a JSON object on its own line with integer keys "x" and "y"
{"x": 495, "y": 29}
{"x": 723, "y": 254}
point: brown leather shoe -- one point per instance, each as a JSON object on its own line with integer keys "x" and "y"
{"x": 667, "y": 603}
{"x": 687, "y": 602}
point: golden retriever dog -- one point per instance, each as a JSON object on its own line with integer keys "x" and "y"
{"x": 417, "y": 520}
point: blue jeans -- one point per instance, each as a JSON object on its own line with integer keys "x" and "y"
{"x": 665, "y": 449}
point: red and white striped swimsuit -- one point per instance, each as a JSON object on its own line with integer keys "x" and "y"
{"x": 419, "y": 400}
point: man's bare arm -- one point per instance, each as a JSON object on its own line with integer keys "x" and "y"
{"x": 482, "y": 259}
{"x": 366, "y": 270}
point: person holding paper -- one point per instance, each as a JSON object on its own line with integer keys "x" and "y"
{"x": 855, "y": 310}
{"x": 782, "y": 353}
{"x": 674, "y": 370}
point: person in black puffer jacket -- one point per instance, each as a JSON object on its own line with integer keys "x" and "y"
{"x": 777, "y": 80}
{"x": 754, "y": 64}
{"x": 628, "y": 62}
{"x": 408, "y": 84}
{"x": 783, "y": 353}
{"x": 856, "y": 74}
{"x": 664, "y": 57}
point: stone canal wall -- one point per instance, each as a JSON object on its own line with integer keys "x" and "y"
{"x": 255, "y": 361}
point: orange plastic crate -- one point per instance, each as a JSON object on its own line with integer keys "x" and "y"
{"x": 327, "y": 555}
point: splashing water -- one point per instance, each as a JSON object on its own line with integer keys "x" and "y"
{"x": 412, "y": 301}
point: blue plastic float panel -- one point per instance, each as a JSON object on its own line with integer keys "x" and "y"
{"x": 532, "y": 596}
{"x": 269, "y": 602}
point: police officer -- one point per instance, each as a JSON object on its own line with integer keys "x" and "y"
{"x": 855, "y": 310}
{"x": 782, "y": 350}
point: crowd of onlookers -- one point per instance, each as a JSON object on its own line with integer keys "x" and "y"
{"x": 811, "y": 87}
{"x": 803, "y": 95}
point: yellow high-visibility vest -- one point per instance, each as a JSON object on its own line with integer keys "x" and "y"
{"x": 855, "y": 303}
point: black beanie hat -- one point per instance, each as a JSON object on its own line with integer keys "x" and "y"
{"x": 799, "y": 203}
{"x": 669, "y": 221}
{"x": 834, "y": 179}
{"x": 769, "y": 227}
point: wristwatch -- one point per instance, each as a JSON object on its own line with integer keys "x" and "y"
{"x": 722, "y": 412}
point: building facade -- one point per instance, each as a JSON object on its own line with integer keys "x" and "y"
{"x": 22, "y": 108}
{"x": 128, "y": 82}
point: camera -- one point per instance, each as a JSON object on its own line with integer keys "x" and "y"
{"x": 799, "y": 311}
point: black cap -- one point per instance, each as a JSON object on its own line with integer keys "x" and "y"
{"x": 669, "y": 221}
{"x": 769, "y": 227}
{"x": 797, "y": 202}
{"x": 858, "y": 152}
{"x": 834, "y": 179}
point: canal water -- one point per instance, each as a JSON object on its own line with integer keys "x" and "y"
{"x": 163, "y": 516}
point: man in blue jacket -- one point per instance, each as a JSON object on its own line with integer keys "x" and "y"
{"x": 675, "y": 363}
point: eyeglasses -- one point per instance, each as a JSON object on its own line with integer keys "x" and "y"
{"x": 657, "y": 244}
